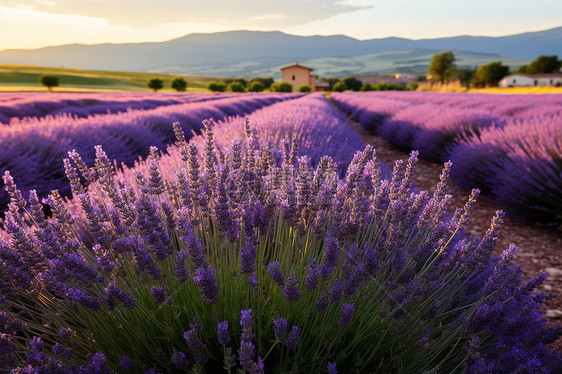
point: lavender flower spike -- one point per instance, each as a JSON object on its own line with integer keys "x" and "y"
{"x": 275, "y": 272}
{"x": 346, "y": 314}
{"x": 222, "y": 331}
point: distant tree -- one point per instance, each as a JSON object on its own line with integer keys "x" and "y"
{"x": 544, "y": 65}
{"x": 155, "y": 84}
{"x": 304, "y": 88}
{"x": 179, "y": 84}
{"x": 422, "y": 78}
{"x": 49, "y": 81}
{"x": 465, "y": 75}
{"x": 331, "y": 81}
{"x": 367, "y": 87}
{"x": 235, "y": 86}
{"x": 281, "y": 87}
{"x": 380, "y": 86}
{"x": 442, "y": 67}
{"x": 412, "y": 86}
{"x": 256, "y": 86}
{"x": 339, "y": 87}
{"x": 214, "y": 86}
{"x": 490, "y": 74}
{"x": 352, "y": 83}
{"x": 522, "y": 69}
{"x": 267, "y": 82}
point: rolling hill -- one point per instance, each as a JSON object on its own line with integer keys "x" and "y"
{"x": 252, "y": 53}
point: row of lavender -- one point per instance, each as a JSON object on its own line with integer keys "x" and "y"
{"x": 33, "y": 104}
{"x": 33, "y": 148}
{"x": 240, "y": 256}
{"x": 510, "y": 146}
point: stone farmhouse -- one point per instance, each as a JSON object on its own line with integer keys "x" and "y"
{"x": 298, "y": 75}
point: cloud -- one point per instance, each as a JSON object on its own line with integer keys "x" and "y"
{"x": 241, "y": 13}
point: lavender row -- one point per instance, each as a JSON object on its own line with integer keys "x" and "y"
{"x": 202, "y": 272}
{"x": 33, "y": 149}
{"x": 83, "y": 105}
{"x": 514, "y": 157}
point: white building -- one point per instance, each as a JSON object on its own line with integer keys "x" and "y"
{"x": 531, "y": 80}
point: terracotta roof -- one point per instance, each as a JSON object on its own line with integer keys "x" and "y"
{"x": 295, "y": 65}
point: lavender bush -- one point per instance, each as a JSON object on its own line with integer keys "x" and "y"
{"x": 246, "y": 262}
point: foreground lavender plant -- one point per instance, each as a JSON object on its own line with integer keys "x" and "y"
{"x": 144, "y": 272}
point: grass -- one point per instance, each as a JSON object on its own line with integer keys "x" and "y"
{"x": 26, "y": 78}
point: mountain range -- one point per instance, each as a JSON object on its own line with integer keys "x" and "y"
{"x": 260, "y": 53}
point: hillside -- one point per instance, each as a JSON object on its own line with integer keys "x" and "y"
{"x": 27, "y": 77}
{"x": 250, "y": 53}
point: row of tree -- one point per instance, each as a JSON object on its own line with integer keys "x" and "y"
{"x": 178, "y": 83}
{"x": 443, "y": 69}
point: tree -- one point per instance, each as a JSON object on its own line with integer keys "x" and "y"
{"x": 155, "y": 84}
{"x": 256, "y": 86}
{"x": 522, "y": 69}
{"x": 352, "y": 83}
{"x": 179, "y": 84}
{"x": 545, "y": 65}
{"x": 331, "y": 81}
{"x": 281, "y": 87}
{"x": 235, "y": 86}
{"x": 267, "y": 82}
{"x": 214, "y": 86}
{"x": 490, "y": 74}
{"x": 304, "y": 88}
{"x": 465, "y": 76}
{"x": 49, "y": 81}
{"x": 339, "y": 87}
{"x": 367, "y": 87}
{"x": 442, "y": 66}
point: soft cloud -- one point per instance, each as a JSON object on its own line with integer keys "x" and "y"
{"x": 241, "y": 13}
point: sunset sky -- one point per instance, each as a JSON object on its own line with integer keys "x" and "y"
{"x": 37, "y": 23}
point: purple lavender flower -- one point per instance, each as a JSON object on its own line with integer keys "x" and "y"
{"x": 312, "y": 275}
{"x": 158, "y": 294}
{"x": 275, "y": 272}
{"x": 146, "y": 262}
{"x": 248, "y": 259}
{"x": 246, "y": 321}
{"x": 291, "y": 291}
{"x": 222, "y": 331}
{"x": 179, "y": 265}
{"x": 196, "y": 346}
{"x": 65, "y": 333}
{"x": 331, "y": 368}
{"x": 281, "y": 325}
{"x": 61, "y": 351}
{"x": 253, "y": 281}
{"x": 98, "y": 364}
{"x": 346, "y": 314}
{"x": 246, "y": 355}
{"x": 127, "y": 363}
{"x": 87, "y": 301}
{"x": 114, "y": 292}
{"x": 292, "y": 341}
{"x": 179, "y": 359}
{"x": 332, "y": 253}
{"x": 337, "y": 290}
{"x": 205, "y": 279}
{"x": 322, "y": 301}
{"x": 155, "y": 184}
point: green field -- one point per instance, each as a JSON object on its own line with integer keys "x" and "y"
{"x": 26, "y": 78}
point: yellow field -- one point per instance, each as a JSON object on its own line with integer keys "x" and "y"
{"x": 518, "y": 90}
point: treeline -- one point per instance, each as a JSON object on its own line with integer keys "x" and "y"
{"x": 443, "y": 69}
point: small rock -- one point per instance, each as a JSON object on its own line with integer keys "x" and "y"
{"x": 554, "y": 272}
{"x": 535, "y": 261}
{"x": 547, "y": 287}
{"x": 554, "y": 314}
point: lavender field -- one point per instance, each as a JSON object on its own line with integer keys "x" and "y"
{"x": 509, "y": 146}
{"x": 257, "y": 233}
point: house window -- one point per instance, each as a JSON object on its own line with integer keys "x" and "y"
{"x": 551, "y": 82}
{"x": 514, "y": 80}
{"x": 293, "y": 77}
{"x": 535, "y": 82}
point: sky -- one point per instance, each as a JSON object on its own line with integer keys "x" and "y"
{"x": 38, "y": 23}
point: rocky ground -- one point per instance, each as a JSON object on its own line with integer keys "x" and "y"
{"x": 540, "y": 248}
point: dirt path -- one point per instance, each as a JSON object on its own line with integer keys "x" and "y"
{"x": 540, "y": 248}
